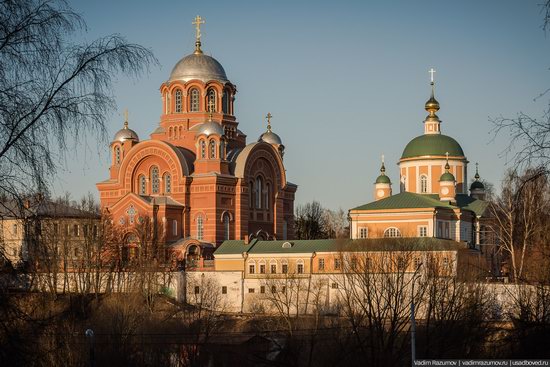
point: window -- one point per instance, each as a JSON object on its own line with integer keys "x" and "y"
{"x": 422, "y": 231}
{"x": 225, "y": 102}
{"x": 285, "y": 268}
{"x": 321, "y": 264}
{"x": 300, "y": 268}
{"x": 273, "y": 289}
{"x": 56, "y": 228}
{"x": 167, "y": 103}
{"x": 392, "y": 232}
{"x": 194, "y": 100}
{"x": 85, "y": 230}
{"x": 197, "y": 289}
{"x": 273, "y": 268}
{"x": 259, "y": 184}
{"x": 212, "y": 100}
{"x": 446, "y": 261}
{"x": 417, "y": 263}
{"x": 363, "y": 232}
{"x": 262, "y": 268}
{"x": 222, "y": 149}
{"x": 203, "y": 149}
{"x": 267, "y": 194}
{"x": 178, "y": 101}
{"x": 226, "y": 226}
{"x": 155, "y": 182}
{"x": 337, "y": 264}
{"x": 14, "y": 229}
{"x": 353, "y": 263}
{"x": 117, "y": 154}
{"x": 283, "y": 289}
{"x": 175, "y": 227}
{"x": 200, "y": 229}
{"x": 334, "y": 286}
{"x": 76, "y": 252}
{"x": 167, "y": 183}
{"x": 423, "y": 184}
{"x": 262, "y": 289}
{"x": 251, "y": 268}
{"x": 142, "y": 185}
{"x": 212, "y": 149}
{"x": 224, "y": 290}
{"x": 400, "y": 264}
{"x": 76, "y": 230}
{"x": 251, "y": 290}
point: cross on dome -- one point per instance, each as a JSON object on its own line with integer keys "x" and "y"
{"x": 432, "y": 72}
{"x": 198, "y": 21}
{"x": 268, "y": 117}
{"x": 126, "y": 118}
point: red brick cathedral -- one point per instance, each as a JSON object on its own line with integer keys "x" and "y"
{"x": 196, "y": 174}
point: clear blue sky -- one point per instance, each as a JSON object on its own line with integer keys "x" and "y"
{"x": 346, "y": 81}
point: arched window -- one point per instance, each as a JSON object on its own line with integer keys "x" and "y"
{"x": 194, "y": 100}
{"x": 392, "y": 232}
{"x": 200, "y": 227}
{"x": 167, "y": 183}
{"x": 212, "y": 100}
{"x": 167, "y": 103}
{"x": 300, "y": 266}
{"x": 258, "y": 192}
{"x": 174, "y": 227}
{"x": 212, "y": 149}
{"x": 170, "y": 132}
{"x": 203, "y": 149}
{"x": 267, "y": 196}
{"x": 142, "y": 185}
{"x": 226, "y": 226}
{"x": 225, "y": 101}
{"x": 423, "y": 184}
{"x": 178, "y": 100}
{"x": 155, "y": 182}
{"x": 117, "y": 154}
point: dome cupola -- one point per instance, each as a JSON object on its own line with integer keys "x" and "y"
{"x": 126, "y": 133}
{"x": 477, "y": 188}
{"x": 447, "y": 187}
{"x": 382, "y": 185}
{"x": 270, "y": 137}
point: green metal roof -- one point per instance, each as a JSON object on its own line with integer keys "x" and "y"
{"x": 383, "y": 179}
{"x": 447, "y": 176}
{"x": 334, "y": 245}
{"x": 477, "y": 185}
{"x": 410, "y": 200}
{"x": 432, "y": 144}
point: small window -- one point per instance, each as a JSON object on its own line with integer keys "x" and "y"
{"x": 262, "y": 289}
{"x": 353, "y": 263}
{"x": 285, "y": 268}
{"x": 262, "y": 268}
{"x": 363, "y": 232}
{"x": 251, "y": 290}
{"x": 14, "y": 229}
{"x": 226, "y": 231}
{"x": 334, "y": 285}
{"x": 337, "y": 264}
{"x": 273, "y": 289}
{"x": 117, "y": 154}
{"x": 446, "y": 261}
{"x": 76, "y": 230}
{"x": 423, "y": 231}
{"x": 212, "y": 100}
{"x": 142, "y": 185}
{"x": 203, "y": 149}
{"x": 212, "y": 149}
{"x": 178, "y": 100}
{"x": 273, "y": 268}
{"x": 321, "y": 264}
{"x": 197, "y": 289}
{"x": 300, "y": 268}
{"x": 155, "y": 182}
{"x": 167, "y": 183}
{"x": 175, "y": 227}
{"x": 423, "y": 184}
{"x": 251, "y": 268}
{"x": 224, "y": 290}
{"x": 194, "y": 100}
{"x": 76, "y": 252}
{"x": 200, "y": 227}
{"x": 56, "y": 228}
{"x": 85, "y": 230}
{"x": 400, "y": 264}
{"x": 259, "y": 185}
{"x": 417, "y": 263}
{"x": 283, "y": 289}
{"x": 225, "y": 101}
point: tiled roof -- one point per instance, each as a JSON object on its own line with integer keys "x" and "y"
{"x": 410, "y": 200}
{"x": 42, "y": 208}
{"x": 335, "y": 245}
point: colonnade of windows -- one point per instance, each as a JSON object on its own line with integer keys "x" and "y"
{"x": 260, "y": 194}
{"x": 155, "y": 183}
{"x": 212, "y": 151}
{"x": 194, "y": 98}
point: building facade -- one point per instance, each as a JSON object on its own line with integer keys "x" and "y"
{"x": 433, "y": 200}
{"x": 197, "y": 177}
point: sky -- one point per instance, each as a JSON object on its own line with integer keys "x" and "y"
{"x": 345, "y": 81}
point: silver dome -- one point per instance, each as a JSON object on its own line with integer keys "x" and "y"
{"x": 198, "y": 66}
{"x": 271, "y": 138}
{"x": 210, "y": 128}
{"x": 126, "y": 134}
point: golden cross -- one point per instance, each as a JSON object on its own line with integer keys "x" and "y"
{"x": 126, "y": 118}
{"x": 382, "y": 158}
{"x": 198, "y": 21}
{"x": 268, "y": 117}
{"x": 431, "y": 71}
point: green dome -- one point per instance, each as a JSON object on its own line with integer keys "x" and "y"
{"x": 447, "y": 176}
{"x": 477, "y": 185}
{"x": 432, "y": 144}
{"x": 383, "y": 179}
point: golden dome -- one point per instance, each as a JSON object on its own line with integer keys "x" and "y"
{"x": 432, "y": 106}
